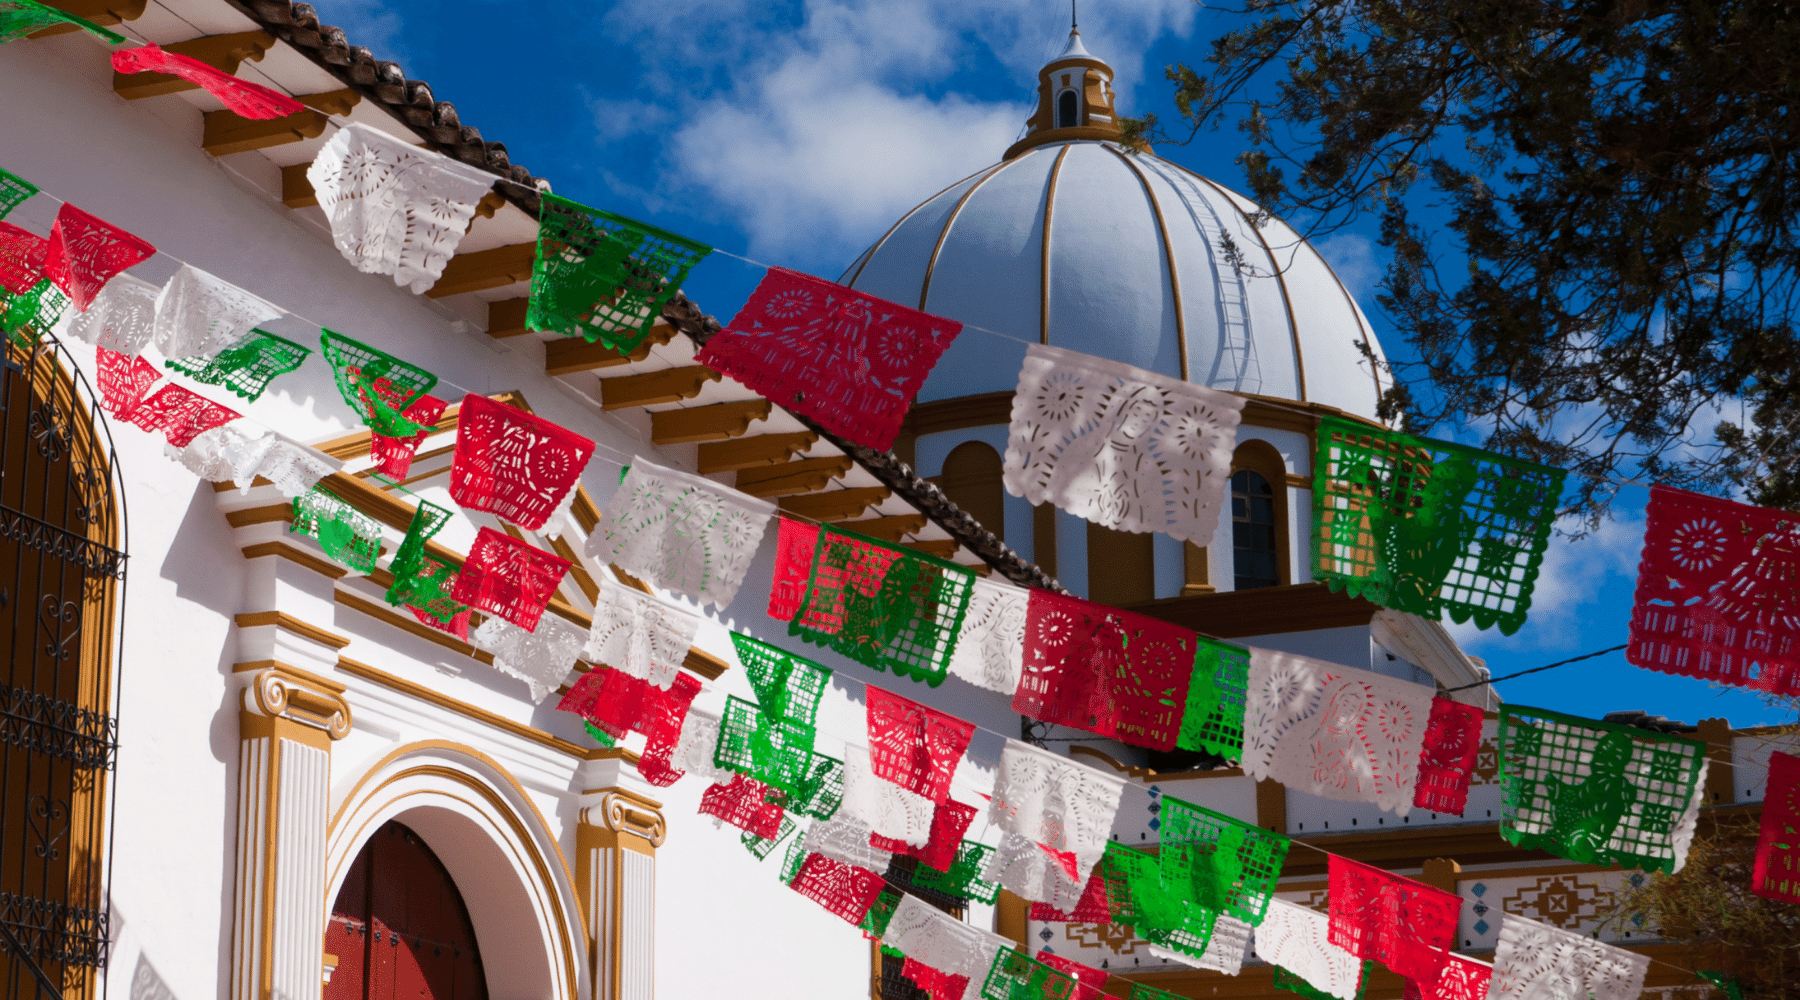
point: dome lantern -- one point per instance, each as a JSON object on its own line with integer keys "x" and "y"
{"x": 1075, "y": 100}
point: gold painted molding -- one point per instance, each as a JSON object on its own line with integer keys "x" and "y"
{"x": 282, "y": 550}
{"x": 284, "y": 692}
{"x": 623, "y": 811}
{"x": 288, "y": 623}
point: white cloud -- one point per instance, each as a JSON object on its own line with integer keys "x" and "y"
{"x": 1583, "y": 591}
{"x": 369, "y": 23}
{"x": 1352, "y": 258}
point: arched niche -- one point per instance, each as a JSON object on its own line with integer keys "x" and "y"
{"x": 497, "y": 849}
{"x": 972, "y": 480}
{"x": 1262, "y": 458}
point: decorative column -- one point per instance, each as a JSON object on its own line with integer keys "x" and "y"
{"x": 615, "y": 872}
{"x": 286, "y": 726}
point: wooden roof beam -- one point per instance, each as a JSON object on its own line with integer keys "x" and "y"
{"x": 102, "y": 12}
{"x": 889, "y": 529}
{"x": 484, "y": 269}
{"x": 573, "y": 354}
{"x": 745, "y": 453}
{"x": 224, "y": 53}
{"x": 226, "y": 133}
{"x": 671, "y": 385}
{"x": 943, "y": 548}
{"x": 707, "y": 423}
{"x": 836, "y": 505}
{"x": 788, "y": 479}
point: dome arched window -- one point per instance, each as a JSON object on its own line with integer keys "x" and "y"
{"x": 1068, "y": 110}
{"x": 1253, "y": 532}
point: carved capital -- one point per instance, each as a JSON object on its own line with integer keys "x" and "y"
{"x": 283, "y": 692}
{"x": 623, "y": 812}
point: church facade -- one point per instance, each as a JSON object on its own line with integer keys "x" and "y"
{"x": 232, "y": 770}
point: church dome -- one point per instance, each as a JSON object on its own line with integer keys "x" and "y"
{"x": 1075, "y": 242}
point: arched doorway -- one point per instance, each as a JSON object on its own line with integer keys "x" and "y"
{"x": 399, "y": 928}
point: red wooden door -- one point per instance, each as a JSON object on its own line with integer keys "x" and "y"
{"x": 399, "y": 928}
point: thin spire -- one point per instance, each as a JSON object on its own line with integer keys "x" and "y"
{"x": 1073, "y": 26}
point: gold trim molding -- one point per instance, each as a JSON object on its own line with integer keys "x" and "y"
{"x": 284, "y": 692}
{"x": 622, "y": 811}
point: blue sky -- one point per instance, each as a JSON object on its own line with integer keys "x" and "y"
{"x": 796, "y": 133}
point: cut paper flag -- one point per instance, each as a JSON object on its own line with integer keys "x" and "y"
{"x": 1334, "y": 731}
{"x": 1299, "y": 940}
{"x": 886, "y": 808}
{"x": 1224, "y": 950}
{"x": 121, "y": 318}
{"x": 19, "y": 18}
{"x": 775, "y": 751}
{"x": 29, "y": 316}
{"x": 395, "y": 208}
{"x": 850, "y": 362}
{"x": 179, "y": 415}
{"x": 1121, "y": 446}
{"x": 22, "y": 254}
{"x": 845, "y": 891}
{"x": 821, "y": 792}
{"x": 681, "y": 532}
{"x": 1154, "y": 896}
{"x": 1598, "y": 792}
{"x": 1213, "y": 721}
{"x": 541, "y": 658}
{"x": 509, "y": 578}
{"x": 421, "y": 582}
{"x": 665, "y": 716}
{"x": 1297, "y": 984}
{"x": 694, "y": 750}
{"x": 1089, "y": 982}
{"x": 377, "y": 385}
{"x": 1715, "y": 594}
{"x": 793, "y": 566}
{"x": 760, "y": 847}
{"x": 1094, "y": 907}
{"x": 1034, "y": 872}
{"x": 913, "y": 746}
{"x": 246, "y": 367}
{"x": 232, "y": 453}
{"x": 1407, "y": 926}
{"x": 741, "y": 803}
{"x": 1109, "y": 672}
{"x": 1452, "y": 740}
{"x": 1231, "y": 865}
{"x": 949, "y": 822}
{"x": 1013, "y": 976}
{"x": 962, "y": 879}
{"x": 1463, "y": 978}
{"x": 990, "y": 649}
{"x": 933, "y": 938}
{"x": 846, "y": 839}
{"x": 515, "y": 464}
{"x": 1777, "y": 871}
{"x": 350, "y": 537}
{"x": 293, "y": 468}
{"x": 1056, "y": 802}
{"x": 240, "y": 97}
{"x": 124, "y": 381}
{"x": 199, "y": 315}
{"x": 393, "y": 456}
{"x": 1429, "y": 527}
{"x": 636, "y": 633}
{"x": 1535, "y": 961}
{"x": 611, "y": 701}
{"x": 14, "y": 190}
{"x": 936, "y": 985}
{"x": 85, "y": 252}
{"x": 889, "y": 608}
{"x": 603, "y": 277}
{"x": 787, "y": 686}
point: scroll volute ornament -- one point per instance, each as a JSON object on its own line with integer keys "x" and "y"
{"x": 622, "y": 812}
{"x": 284, "y": 693}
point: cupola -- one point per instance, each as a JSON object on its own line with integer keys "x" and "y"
{"x": 1075, "y": 100}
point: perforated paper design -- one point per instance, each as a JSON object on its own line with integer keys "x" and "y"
{"x": 1120, "y": 446}
{"x": 1594, "y": 792}
{"x": 1405, "y": 925}
{"x": 848, "y": 360}
{"x": 760, "y": 847}
{"x": 241, "y": 97}
{"x": 1777, "y": 871}
{"x": 541, "y": 658}
{"x": 121, "y": 318}
{"x": 773, "y": 750}
{"x": 294, "y": 468}
{"x": 1094, "y": 907}
{"x": 1298, "y": 939}
{"x": 1462, "y": 979}
{"x": 19, "y": 18}
{"x": 888, "y": 809}
{"x": 602, "y": 276}
{"x": 1538, "y": 962}
{"x": 1213, "y": 721}
{"x": 665, "y": 714}
{"x": 1452, "y": 740}
{"x": 913, "y": 746}
{"x": 507, "y": 577}
{"x": 123, "y": 381}
{"x": 962, "y": 878}
{"x": 395, "y": 208}
{"x": 199, "y": 315}
{"x": 14, "y": 189}
{"x": 85, "y": 252}
{"x": 180, "y": 415}
{"x": 949, "y": 821}
{"x": 512, "y": 463}
{"x": 1428, "y": 526}
{"x": 846, "y": 839}
{"x": 875, "y": 921}
{"x": 350, "y": 537}
{"x": 1716, "y": 592}
{"x": 793, "y": 565}
{"x": 22, "y": 255}
{"x": 375, "y": 384}
{"x": 1224, "y": 950}
{"x": 1056, "y": 802}
{"x": 1297, "y": 985}
{"x": 231, "y": 453}
{"x": 1231, "y": 865}
{"x": 1155, "y": 896}
{"x": 1333, "y": 731}
{"x": 246, "y": 367}
{"x": 393, "y": 455}
{"x": 1107, "y": 671}
{"x": 421, "y": 582}
{"x": 1013, "y": 976}
{"x": 930, "y": 936}
{"x": 1032, "y": 871}
{"x": 990, "y": 650}
{"x": 1088, "y": 981}
{"x": 845, "y": 891}
{"x": 939, "y": 985}
{"x": 892, "y": 609}
{"x": 741, "y": 804}
{"x": 681, "y": 532}
{"x": 638, "y": 634}
{"x": 30, "y": 315}
{"x": 786, "y": 686}
{"x": 694, "y": 751}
